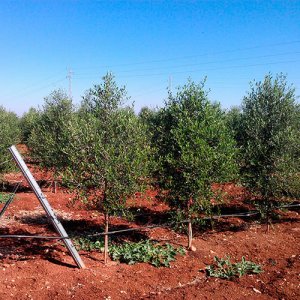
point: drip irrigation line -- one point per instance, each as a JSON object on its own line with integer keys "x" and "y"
{"x": 18, "y": 236}
{"x": 165, "y": 224}
{"x": 289, "y": 205}
{"x": 15, "y": 181}
{"x": 243, "y": 214}
{"x": 246, "y": 214}
{"x": 16, "y": 187}
{"x": 127, "y": 230}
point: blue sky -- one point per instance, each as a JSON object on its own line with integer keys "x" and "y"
{"x": 148, "y": 45}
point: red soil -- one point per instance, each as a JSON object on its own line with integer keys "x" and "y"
{"x": 40, "y": 269}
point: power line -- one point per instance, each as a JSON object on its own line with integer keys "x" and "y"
{"x": 30, "y": 91}
{"x": 200, "y": 70}
{"x": 191, "y": 56}
{"x": 202, "y": 63}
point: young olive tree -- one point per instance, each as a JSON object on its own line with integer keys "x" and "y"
{"x": 149, "y": 118}
{"x": 9, "y": 134}
{"x": 233, "y": 121}
{"x": 194, "y": 149}
{"x": 108, "y": 150}
{"x": 50, "y": 133}
{"x": 27, "y": 123}
{"x": 271, "y": 140}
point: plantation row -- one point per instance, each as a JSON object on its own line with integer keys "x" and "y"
{"x": 107, "y": 153}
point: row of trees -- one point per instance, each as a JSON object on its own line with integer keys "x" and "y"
{"x": 9, "y": 134}
{"x": 107, "y": 153}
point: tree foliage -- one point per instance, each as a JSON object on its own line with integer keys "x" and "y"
{"x": 108, "y": 148}
{"x": 27, "y": 123}
{"x": 270, "y": 145}
{"x": 50, "y": 133}
{"x": 9, "y": 135}
{"x": 233, "y": 120}
{"x": 194, "y": 149}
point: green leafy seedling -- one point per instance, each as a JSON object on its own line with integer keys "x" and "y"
{"x": 223, "y": 268}
{"x": 145, "y": 251}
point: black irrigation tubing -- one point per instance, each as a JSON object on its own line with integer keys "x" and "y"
{"x": 247, "y": 214}
{"x": 289, "y": 205}
{"x": 127, "y": 230}
{"x": 16, "y": 181}
{"x": 17, "y": 236}
{"x": 162, "y": 225}
{"x": 244, "y": 214}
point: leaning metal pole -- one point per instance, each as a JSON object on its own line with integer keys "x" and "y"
{"x": 48, "y": 209}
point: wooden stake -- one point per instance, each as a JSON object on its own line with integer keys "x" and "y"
{"x": 55, "y": 186}
{"x": 190, "y": 229}
{"x": 190, "y": 235}
{"x": 106, "y": 239}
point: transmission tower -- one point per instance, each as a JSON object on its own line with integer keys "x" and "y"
{"x": 69, "y": 77}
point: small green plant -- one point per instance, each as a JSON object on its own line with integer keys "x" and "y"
{"x": 223, "y": 268}
{"x": 245, "y": 267}
{"x": 131, "y": 253}
{"x": 4, "y": 197}
{"x": 145, "y": 251}
{"x": 89, "y": 244}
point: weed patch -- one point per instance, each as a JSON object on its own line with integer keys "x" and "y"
{"x": 130, "y": 253}
{"x": 145, "y": 251}
{"x": 223, "y": 268}
{"x": 4, "y": 197}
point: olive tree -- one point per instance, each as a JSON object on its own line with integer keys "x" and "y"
{"x": 50, "y": 133}
{"x": 27, "y": 123}
{"x": 108, "y": 150}
{"x": 271, "y": 139}
{"x": 233, "y": 120}
{"x": 9, "y": 134}
{"x": 194, "y": 149}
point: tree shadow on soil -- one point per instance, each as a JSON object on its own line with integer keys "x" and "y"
{"x": 146, "y": 216}
{"x": 24, "y": 249}
{"x": 85, "y": 229}
{"x": 9, "y": 187}
{"x": 142, "y": 217}
{"x": 239, "y": 224}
